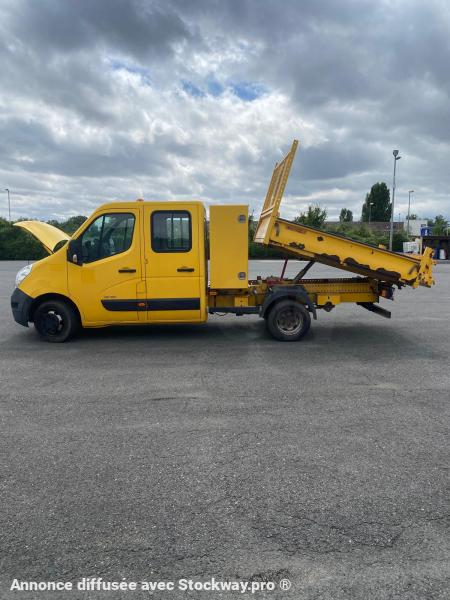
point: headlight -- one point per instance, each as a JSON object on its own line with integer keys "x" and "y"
{"x": 22, "y": 274}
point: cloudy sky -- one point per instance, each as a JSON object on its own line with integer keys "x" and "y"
{"x": 118, "y": 99}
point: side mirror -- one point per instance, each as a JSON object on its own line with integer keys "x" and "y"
{"x": 74, "y": 252}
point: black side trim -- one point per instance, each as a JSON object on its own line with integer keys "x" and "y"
{"x": 124, "y": 305}
{"x": 174, "y": 304}
{"x": 152, "y": 304}
{"x": 21, "y": 305}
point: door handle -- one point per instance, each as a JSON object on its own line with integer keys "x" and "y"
{"x": 185, "y": 270}
{"x": 127, "y": 270}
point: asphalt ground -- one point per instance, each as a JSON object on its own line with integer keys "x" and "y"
{"x": 214, "y": 451}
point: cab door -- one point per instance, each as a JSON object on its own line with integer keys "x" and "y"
{"x": 174, "y": 262}
{"x": 104, "y": 284}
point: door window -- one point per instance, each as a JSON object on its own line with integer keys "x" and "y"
{"x": 171, "y": 231}
{"x": 106, "y": 236}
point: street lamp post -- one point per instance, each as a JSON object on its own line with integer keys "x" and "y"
{"x": 370, "y": 211}
{"x": 9, "y": 204}
{"x": 391, "y": 230}
{"x": 409, "y": 208}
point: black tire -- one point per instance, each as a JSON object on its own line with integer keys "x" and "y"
{"x": 288, "y": 321}
{"x": 55, "y": 320}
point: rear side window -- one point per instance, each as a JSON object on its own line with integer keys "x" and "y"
{"x": 107, "y": 235}
{"x": 171, "y": 231}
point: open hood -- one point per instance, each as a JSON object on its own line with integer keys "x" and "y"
{"x": 48, "y": 235}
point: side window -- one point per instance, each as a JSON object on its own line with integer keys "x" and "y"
{"x": 107, "y": 235}
{"x": 171, "y": 231}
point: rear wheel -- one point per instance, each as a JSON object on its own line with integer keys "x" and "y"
{"x": 288, "y": 321}
{"x": 55, "y": 320}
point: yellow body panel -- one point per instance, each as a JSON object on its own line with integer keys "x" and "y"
{"x": 176, "y": 280}
{"x": 48, "y": 276}
{"x": 228, "y": 246}
{"x": 93, "y": 283}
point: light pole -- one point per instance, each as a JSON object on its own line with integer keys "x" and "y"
{"x": 391, "y": 230}
{"x": 9, "y": 205}
{"x": 409, "y": 208}
{"x": 370, "y": 210}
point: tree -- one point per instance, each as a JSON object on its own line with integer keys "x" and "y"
{"x": 413, "y": 217}
{"x": 314, "y": 216}
{"x": 361, "y": 233}
{"x": 379, "y": 198}
{"x": 69, "y": 226}
{"x": 346, "y": 216}
{"x": 440, "y": 225}
{"x": 72, "y": 224}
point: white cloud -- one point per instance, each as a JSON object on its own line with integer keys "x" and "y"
{"x": 181, "y": 100}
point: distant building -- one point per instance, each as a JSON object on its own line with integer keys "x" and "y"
{"x": 415, "y": 226}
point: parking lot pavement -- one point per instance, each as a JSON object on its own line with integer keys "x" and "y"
{"x": 213, "y": 450}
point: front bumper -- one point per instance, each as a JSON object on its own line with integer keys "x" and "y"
{"x": 21, "y": 305}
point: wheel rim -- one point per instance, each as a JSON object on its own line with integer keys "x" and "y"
{"x": 51, "y": 322}
{"x": 289, "y": 321}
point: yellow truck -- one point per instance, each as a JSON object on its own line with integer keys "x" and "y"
{"x": 146, "y": 262}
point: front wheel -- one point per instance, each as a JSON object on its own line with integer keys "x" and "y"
{"x": 55, "y": 320}
{"x": 288, "y": 321}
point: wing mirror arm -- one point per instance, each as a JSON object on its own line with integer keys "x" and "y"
{"x": 74, "y": 252}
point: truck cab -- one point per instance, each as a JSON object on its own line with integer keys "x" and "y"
{"x": 130, "y": 262}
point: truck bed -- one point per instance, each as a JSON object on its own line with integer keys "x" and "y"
{"x": 308, "y": 243}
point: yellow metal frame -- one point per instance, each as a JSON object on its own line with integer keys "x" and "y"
{"x": 337, "y": 251}
{"x": 321, "y": 292}
{"x": 274, "y": 195}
